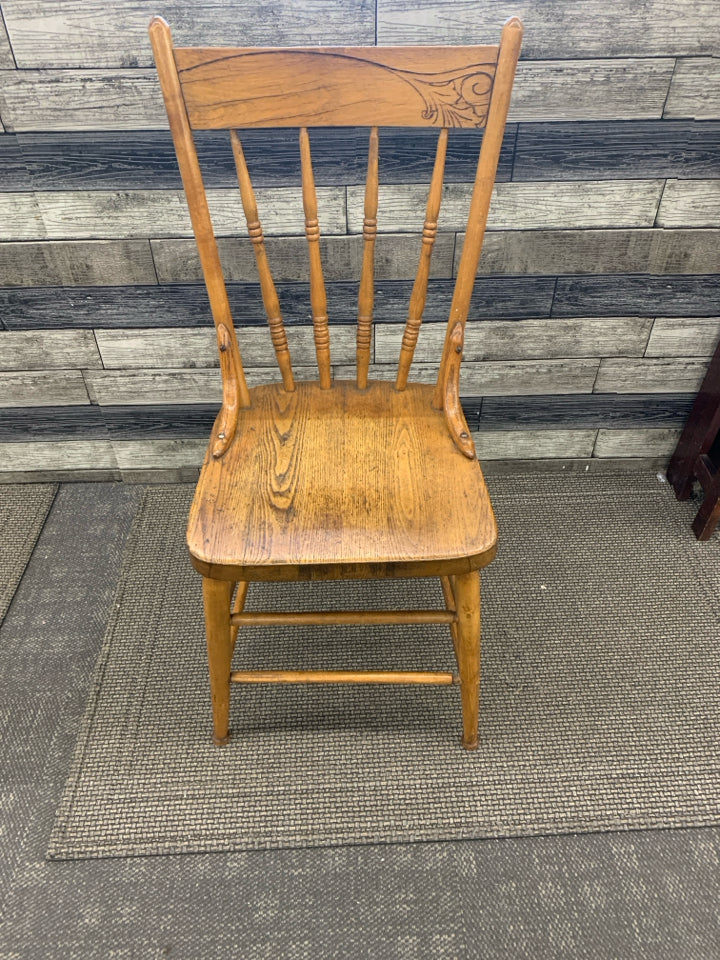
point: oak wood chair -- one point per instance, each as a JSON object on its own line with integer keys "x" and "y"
{"x": 329, "y": 479}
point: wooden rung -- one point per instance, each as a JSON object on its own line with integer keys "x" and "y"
{"x": 342, "y": 676}
{"x": 705, "y": 471}
{"x": 342, "y": 617}
{"x": 367, "y": 278}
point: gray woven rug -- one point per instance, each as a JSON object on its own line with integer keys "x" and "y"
{"x": 600, "y": 703}
{"x": 23, "y": 509}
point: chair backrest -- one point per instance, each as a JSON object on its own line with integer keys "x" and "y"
{"x": 234, "y": 88}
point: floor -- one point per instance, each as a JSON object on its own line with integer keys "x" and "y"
{"x": 653, "y": 894}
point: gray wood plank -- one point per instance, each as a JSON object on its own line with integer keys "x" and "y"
{"x": 591, "y": 90}
{"x": 656, "y": 296}
{"x": 48, "y": 349}
{"x": 20, "y": 217}
{"x": 178, "y": 349}
{"x": 66, "y": 459}
{"x": 525, "y": 339}
{"x": 115, "y": 388}
{"x": 547, "y": 252}
{"x": 186, "y": 305}
{"x": 533, "y": 444}
{"x": 636, "y": 443}
{"x": 163, "y": 213}
{"x": 690, "y": 203}
{"x": 617, "y": 150}
{"x": 134, "y": 456}
{"x": 695, "y": 90}
{"x": 7, "y": 61}
{"x": 75, "y": 263}
{"x": 518, "y": 206}
{"x": 490, "y": 378}
{"x": 42, "y": 388}
{"x": 71, "y": 33}
{"x": 676, "y": 375}
{"x": 683, "y": 337}
{"x": 396, "y": 258}
{"x": 20, "y": 424}
{"x": 558, "y": 29}
{"x": 81, "y": 100}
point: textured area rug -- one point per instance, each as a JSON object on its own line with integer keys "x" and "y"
{"x": 23, "y": 509}
{"x": 600, "y": 701}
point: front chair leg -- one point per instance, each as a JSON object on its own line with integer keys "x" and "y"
{"x": 467, "y": 599}
{"x": 216, "y": 595}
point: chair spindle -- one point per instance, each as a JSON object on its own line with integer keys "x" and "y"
{"x": 318, "y": 298}
{"x": 267, "y": 286}
{"x": 367, "y": 279}
{"x": 420, "y": 287}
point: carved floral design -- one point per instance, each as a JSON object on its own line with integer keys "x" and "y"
{"x": 453, "y": 99}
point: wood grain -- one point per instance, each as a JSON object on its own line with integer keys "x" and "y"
{"x": 163, "y": 213}
{"x": 691, "y": 203}
{"x": 647, "y": 149}
{"x": 377, "y": 484}
{"x": 527, "y": 339}
{"x": 48, "y": 349}
{"x": 636, "y": 443}
{"x": 517, "y": 206}
{"x": 68, "y": 460}
{"x": 396, "y": 258}
{"x": 145, "y": 159}
{"x": 584, "y": 411}
{"x": 81, "y": 100}
{"x": 75, "y": 263}
{"x": 487, "y": 378}
{"x": 26, "y": 424}
{"x": 71, "y": 33}
{"x": 42, "y": 388}
{"x": 158, "y": 453}
{"x": 15, "y": 176}
{"x": 534, "y": 444}
{"x": 336, "y": 86}
{"x": 665, "y": 296}
{"x": 554, "y": 29}
{"x": 677, "y": 375}
{"x": 683, "y": 337}
{"x": 20, "y": 217}
{"x": 695, "y": 90}
{"x": 185, "y": 305}
{"x": 163, "y": 348}
{"x": 7, "y": 61}
{"x": 632, "y": 89}
{"x": 547, "y": 252}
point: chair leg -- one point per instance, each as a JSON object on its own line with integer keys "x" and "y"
{"x": 467, "y": 598}
{"x": 216, "y": 595}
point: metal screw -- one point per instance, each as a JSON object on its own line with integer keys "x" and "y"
{"x": 223, "y": 347}
{"x": 458, "y": 349}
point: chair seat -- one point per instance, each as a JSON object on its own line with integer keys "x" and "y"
{"x": 340, "y": 483}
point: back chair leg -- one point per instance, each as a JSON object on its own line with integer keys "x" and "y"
{"x": 216, "y": 595}
{"x": 467, "y": 598}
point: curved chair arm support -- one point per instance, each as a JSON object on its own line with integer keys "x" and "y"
{"x": 454, "y": 416}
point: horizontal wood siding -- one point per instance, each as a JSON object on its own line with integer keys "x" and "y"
{"x": 597, "y": 302}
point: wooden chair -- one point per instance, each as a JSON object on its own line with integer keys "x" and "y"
{"x": 340, "y": 480}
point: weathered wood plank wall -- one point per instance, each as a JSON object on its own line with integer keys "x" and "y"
{"x": 598, "y": 301}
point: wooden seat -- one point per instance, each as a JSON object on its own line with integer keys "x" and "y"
{"x": 339, "y": 479}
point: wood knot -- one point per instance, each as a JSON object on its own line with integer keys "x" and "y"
{"x": 222, "y": 347}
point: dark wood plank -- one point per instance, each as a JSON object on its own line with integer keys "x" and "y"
{"x": 695, "y": 89}
{"x": 597, "y": 151}
{"x": 582, "y": 410}
{"x": 14, "y": 175}
{"x": 20, "y": 424}
{"x": 554, "y": 28}
{"x": 612, "y": 296}
{"x": 169, "y": 420}
{"x": 76, "y": 263}
{"x": 54, "y": 33}
{"x": 140, "y": 159}
{"x": 654, "y": 251}
{"x": 187, "y": 306}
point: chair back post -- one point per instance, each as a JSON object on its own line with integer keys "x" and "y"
{"x": 235, "y": 389}
{"x": 510, "y": 42}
